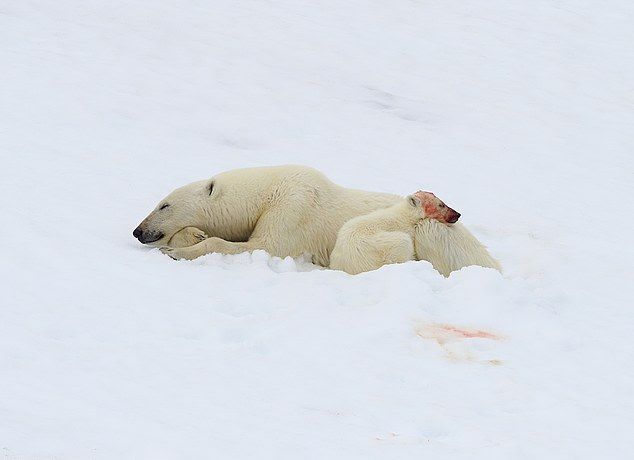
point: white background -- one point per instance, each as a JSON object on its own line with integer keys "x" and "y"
{"x": 518, "y": 114}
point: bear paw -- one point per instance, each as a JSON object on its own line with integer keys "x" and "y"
{"x": 188, "y": 236}
{"x": 168, "y": 252}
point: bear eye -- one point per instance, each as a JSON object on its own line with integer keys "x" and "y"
{"x": 163, "y": 207}
{"x": 442, "y": 205}
{"x": 211, "y": 188}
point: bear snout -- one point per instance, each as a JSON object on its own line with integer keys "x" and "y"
{"x": 146, "y": 237}
{"x": 453, "y": 216}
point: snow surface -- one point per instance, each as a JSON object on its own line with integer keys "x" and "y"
{"x": 519, "y": 114}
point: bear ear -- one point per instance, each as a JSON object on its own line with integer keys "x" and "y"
{"x": 210, "y": 187}
{"x": 414, "y": 201}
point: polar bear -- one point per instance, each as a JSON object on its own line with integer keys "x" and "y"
{"x": 386, "y": 236}
{"x": 419, "y": 228}
{"x": 284, "y": 210}
{"x": 450, "y": 248}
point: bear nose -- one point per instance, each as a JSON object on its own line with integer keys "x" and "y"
{"x": 453, "y": 218}
{"x": 137, "y": 233}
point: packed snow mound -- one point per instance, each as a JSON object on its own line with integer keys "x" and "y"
{"x": 519, "y": 114}
{"x": 256, "y": 261}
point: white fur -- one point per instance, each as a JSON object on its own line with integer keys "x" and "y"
{"x": 188, "y": 236}
{"x": 398, "y": 234}
{"x": 379, "y": 238}
{"x": 449, "y": 248}
{"x": 285, "y": 210}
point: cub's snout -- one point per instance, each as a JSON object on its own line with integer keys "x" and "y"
{"x": 452, "y": 216}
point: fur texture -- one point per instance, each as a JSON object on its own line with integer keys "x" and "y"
{"x": 449, "y": 248}
{"x": 381, "y": 237}
{"x": 188, "y": 236}
{"x": 285, "y": 210}
{"x": 386, "y": 236}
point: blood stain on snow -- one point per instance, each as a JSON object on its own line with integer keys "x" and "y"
{"x": 449, "y": 338}
{"x": 469, "y": 333}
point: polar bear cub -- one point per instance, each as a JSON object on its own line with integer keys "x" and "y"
{"x": 386, "y": 236}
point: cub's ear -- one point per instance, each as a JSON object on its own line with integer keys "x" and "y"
{"x": 414, "y": 201}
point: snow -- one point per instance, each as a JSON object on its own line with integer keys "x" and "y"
{"x": 518, "y": 114}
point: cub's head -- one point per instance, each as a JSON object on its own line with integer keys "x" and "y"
{"x": 184, "y": 207}
{"x": 431, "y": 207}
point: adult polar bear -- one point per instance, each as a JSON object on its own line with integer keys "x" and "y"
{"x": 284, "y": 210}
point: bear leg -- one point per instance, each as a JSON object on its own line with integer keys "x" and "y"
{"x": 188, "y": 236}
